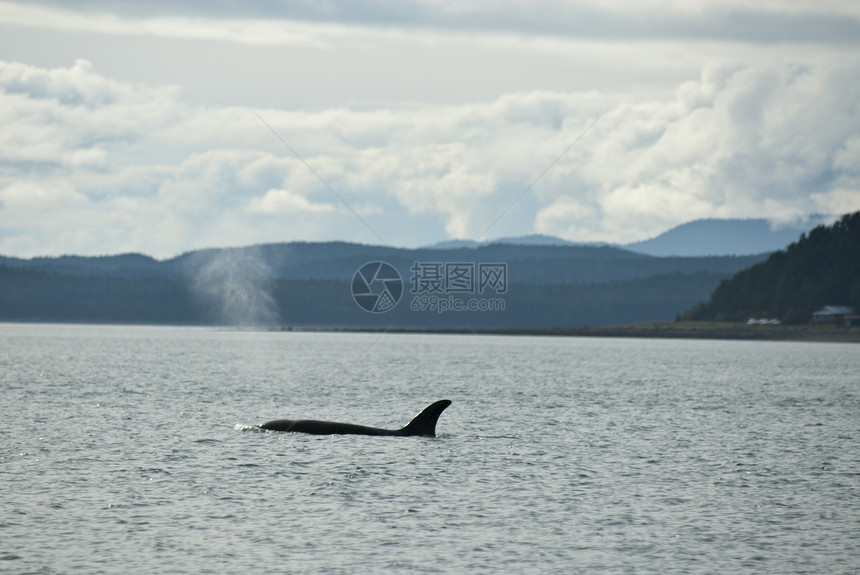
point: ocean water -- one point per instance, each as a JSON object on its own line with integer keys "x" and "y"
{"x": 133, "y": 449}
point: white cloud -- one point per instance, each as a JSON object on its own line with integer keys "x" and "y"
{"x": 71, "y": 116}
{"x": 537, "y": 23}
{"x": 28, "y": 197}
{"x": 90, "y": 164}
{"x": 741, "y": 142}
{"x": 847, "y": 159}
{"x": 275, "y": 202}
{"x": 255, "y": 31}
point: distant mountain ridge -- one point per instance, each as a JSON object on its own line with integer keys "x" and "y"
{"x": 723, "y": 237}
{"x": 550, "y": 283}
{"x": 526, "y": 264}
{"x": 529, "y": 240}
{"x": 309, "y": 284}
{"x": 705, "y": 237}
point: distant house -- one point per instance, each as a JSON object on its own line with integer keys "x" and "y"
{"x": 763, "y": 321}
{"x": 832, "y": 314}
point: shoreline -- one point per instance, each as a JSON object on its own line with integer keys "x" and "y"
{"x": 740, "y": 332}
{"x": 645, "y": 330}
{"x": 651, "y": 330}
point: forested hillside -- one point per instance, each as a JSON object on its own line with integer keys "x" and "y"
{"x": 822, "y": 268}
{"x": 309, "y": 284}
{"x": 535, "y": 264}
{"x": 27, "y": 295}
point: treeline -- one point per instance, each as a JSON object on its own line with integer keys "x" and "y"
{"x": 338, "y": 261}
{"x": 822, "y": 268}
{"x": 29, "y": 295}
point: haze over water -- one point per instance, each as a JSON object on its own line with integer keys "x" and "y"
{"x": 133, "y": 449}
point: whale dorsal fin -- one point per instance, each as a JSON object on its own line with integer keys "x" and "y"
{"x": 424, "y": 423}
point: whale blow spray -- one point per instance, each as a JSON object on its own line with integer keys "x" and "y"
{"x": 234, "y": 286}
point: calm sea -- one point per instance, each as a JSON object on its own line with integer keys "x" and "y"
{"x": 133, "y": 449}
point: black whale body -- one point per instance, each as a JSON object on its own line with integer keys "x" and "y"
{"x": 424, "y": 425}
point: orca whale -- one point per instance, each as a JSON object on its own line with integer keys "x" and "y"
{"x": 424, "y": 425}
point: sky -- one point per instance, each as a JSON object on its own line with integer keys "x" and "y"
{"x": 162, "y": 127}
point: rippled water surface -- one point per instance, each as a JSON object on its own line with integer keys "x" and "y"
{"x": 133, "y": 449}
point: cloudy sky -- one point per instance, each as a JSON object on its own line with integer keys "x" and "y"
{"x": 165, "y": 126}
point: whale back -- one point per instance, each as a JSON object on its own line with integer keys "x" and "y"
{"x": 423, "y": 424}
